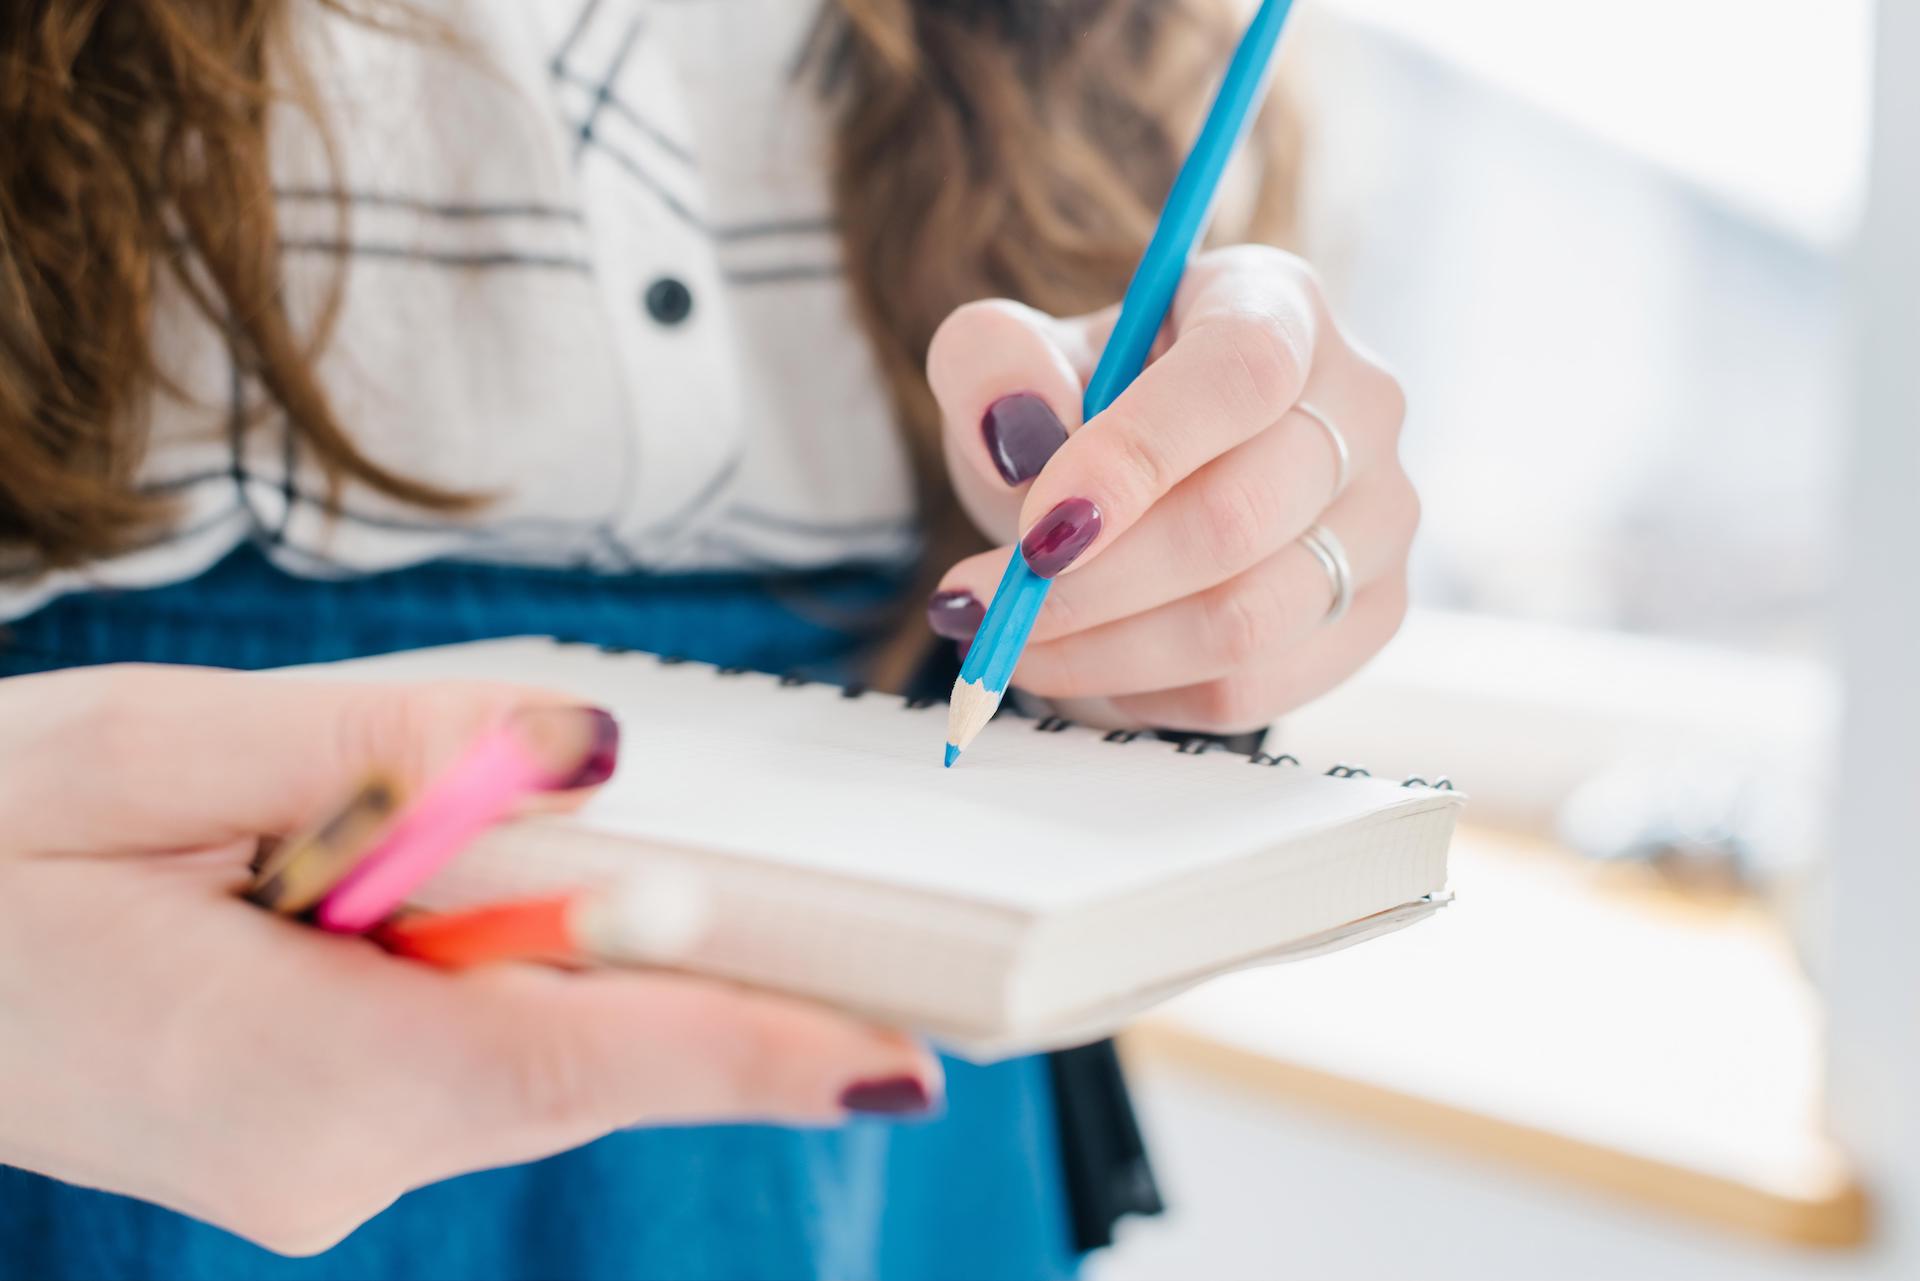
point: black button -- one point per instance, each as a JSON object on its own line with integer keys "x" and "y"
{"x": 669, "y": 301}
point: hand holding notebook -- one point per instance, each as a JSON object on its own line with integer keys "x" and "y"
{"x": 1039, "y": 898}
{"x": 167, "y": 1043}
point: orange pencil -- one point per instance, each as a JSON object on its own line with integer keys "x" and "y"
{"x": 649, "y": 918}
{"x": 539, "y": 929}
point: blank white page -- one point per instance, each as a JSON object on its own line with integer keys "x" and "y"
{"x": 806, "y": 777}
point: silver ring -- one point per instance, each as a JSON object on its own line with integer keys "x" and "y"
{"x": 1332, "y": 555}
{"x": 1342, "y": 455}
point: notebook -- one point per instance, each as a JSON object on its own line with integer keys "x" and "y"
{"x": 1053, "y": 884}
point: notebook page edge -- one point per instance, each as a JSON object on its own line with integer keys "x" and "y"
{"x": 1192, "y": 926}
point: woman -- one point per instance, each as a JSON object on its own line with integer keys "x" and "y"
{"x": 328, "y": 332}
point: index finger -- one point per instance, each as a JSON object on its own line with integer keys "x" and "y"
{"x": 172, "y": 758}
{"x": 1245, "y": 327}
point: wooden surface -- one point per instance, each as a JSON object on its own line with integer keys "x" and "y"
{"x": 1578, "y": 1021}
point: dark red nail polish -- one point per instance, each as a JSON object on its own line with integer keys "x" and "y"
{"x": 1059, "y": 537}
{"x": 602, "y": 755}
{"x": 955, "y": 615}
{"x": 1022, "y": 433}
{"x": 895, "y": 1096}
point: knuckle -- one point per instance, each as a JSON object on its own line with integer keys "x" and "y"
{"x": 1131, "y": 470}
{"x": 1260, "y": 359}
{"x": 1234, "y": 524}
{"x": 1241, "y": 622}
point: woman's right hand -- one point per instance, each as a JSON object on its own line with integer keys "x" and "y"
{"x": 161, "y": 1039}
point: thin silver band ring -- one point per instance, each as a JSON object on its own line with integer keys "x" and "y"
{"x": 1342, "y": 455}
{"x": 1332, "y": 555}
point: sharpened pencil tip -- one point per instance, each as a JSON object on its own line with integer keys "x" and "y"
{"x": 953, "y": 754}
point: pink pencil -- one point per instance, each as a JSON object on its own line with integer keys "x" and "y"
{"x": 482, "y": 788}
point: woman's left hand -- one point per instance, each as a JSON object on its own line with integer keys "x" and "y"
{"x": 1174, "y": 520}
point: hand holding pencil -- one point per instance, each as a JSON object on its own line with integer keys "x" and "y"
{"x": 1217, "y": 540}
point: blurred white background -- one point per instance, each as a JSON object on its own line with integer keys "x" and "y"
{"x": 1608, "y": 250}
{"x": 1601, "y": 244}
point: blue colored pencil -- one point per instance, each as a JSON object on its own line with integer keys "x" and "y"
{"x": 1003, "y": 633}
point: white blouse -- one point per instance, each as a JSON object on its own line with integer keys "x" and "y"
{"x": 590, "y": 271}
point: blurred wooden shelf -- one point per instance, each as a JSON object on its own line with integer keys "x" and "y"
{"x": 1570, "y": 1020}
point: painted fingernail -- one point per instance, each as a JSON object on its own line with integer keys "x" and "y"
{"x": 1059, "y": 537}
{"x": 895, "y": 1096}
{"x": 603, "y": 752}
{"x": 955, "y": 615}
{"x": 1022, "y": 433}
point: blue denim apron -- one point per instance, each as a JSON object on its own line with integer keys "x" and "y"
{"x": 975, "y": 1195}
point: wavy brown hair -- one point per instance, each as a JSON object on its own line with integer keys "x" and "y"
{"x": 1014, "y": 148}
{"x": 136, "y": 148}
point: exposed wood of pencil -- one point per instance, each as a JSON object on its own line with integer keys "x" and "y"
{"x": 973, "y": 706}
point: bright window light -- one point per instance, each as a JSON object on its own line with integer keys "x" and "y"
{"x": 1763, "y": 102}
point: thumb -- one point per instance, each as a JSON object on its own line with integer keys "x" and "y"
{"x": 1008, "y": 380}
{"x": 137, "y": 759}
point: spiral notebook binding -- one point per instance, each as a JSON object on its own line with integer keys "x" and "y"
{"x": 1196, "y": 745}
